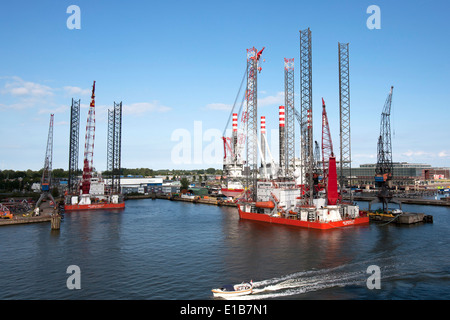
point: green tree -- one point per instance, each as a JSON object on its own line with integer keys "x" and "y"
{"x": 184, "y": 183}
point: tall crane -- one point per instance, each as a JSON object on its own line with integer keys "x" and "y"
{"x": 253, "y": 66}
{"x": 89, "y": 147}
{"x": 46, "y": 180}
{"x": 384, "y": 170}
{"x": 327, "y": 144}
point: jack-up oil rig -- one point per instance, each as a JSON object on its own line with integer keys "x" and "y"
{"x": 92, "y": 192}
{"x": 291, "y": 193}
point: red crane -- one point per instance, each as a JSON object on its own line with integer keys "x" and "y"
{"x": 328, "y": 160}
{"x": 89, "y": 146}
{"x": 327, "y": 144}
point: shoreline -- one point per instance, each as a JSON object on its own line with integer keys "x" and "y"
{"x": 215, "y": 201}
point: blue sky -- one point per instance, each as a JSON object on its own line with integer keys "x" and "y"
{"x": 175, "y": 63}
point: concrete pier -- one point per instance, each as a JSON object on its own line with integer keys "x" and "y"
{"x": 25, "y": 220}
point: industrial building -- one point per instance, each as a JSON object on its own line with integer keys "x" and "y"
{"x": 403, "y": 173}
{"x": 140, "y": 185}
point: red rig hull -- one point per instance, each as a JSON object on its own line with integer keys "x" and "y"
{"x": 300, "y": 223}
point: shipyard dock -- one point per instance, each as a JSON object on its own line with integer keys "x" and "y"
{"x": 192, "y": 199}
{"x": 47, "y": 214}
{"x": 417, "y": 201}
{"x": 25, "y": 220}
{"x": 405, "y": 218}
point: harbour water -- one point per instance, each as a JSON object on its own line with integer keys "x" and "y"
{"x": 167, "y": 250}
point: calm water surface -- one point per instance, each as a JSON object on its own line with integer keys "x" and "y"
{"x": 159, "y": 249}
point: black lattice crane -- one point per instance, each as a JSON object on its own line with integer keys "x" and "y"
{"x": 384, "y": 168}
{"x": 46, "y": 180}
{"x": 383, "y": 171}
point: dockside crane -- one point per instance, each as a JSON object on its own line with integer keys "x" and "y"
{"x": 46, "y": 180}
{"x": 384, "y": 168}
{"x": 383, "y": 171}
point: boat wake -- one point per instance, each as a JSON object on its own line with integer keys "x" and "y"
{"x": 308, "y": 281}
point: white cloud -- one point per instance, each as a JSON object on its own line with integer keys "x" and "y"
{"x": 59, "y": 109}
{"x": 143, "y": 107}
{"x": 20, "y": 88}
{"x": 277, "y": 99}
{"x": 364, "y": 156}
{"x": 24, "y": 94}
{"x": 219, "y": 106}
{"x": 419, "y": 153}
{"x": 77, "y": 91}
{"x": 443, "y": 154}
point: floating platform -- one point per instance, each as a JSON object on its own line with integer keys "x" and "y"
{"x": 194, "y": 199}
{"x": 402, "y": 218}
{"x": 418, "y": 201}
{"x": 94, "y": 206}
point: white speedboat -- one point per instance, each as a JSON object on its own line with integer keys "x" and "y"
{"x": 233, "y": 290}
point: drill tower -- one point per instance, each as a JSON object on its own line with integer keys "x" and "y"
{"x": 344, "y": 113}
{"x": 74, "y": 146}
{"x": 114, "y": 146}
{"x": 289, "y": 117}
{"x": 306, "y": 116}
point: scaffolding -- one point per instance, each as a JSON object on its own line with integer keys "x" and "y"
{"x": 344, "y": 114}
{"x": 74, "y": 146}
{"x": 252, "y": 123}
{"x": 114, "y": 146}
{"x": 290, "y": 116}
{"x": 307, "y": 151}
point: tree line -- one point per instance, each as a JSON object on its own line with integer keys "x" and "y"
{"x": 23, "y": 179}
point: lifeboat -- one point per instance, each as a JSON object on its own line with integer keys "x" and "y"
{"x": 265, "y": 204}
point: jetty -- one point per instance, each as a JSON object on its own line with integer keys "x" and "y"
{"x": 216, "y": 201}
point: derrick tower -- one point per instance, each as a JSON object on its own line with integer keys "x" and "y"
{"x": 307, "y": 152}
{"x": 282, "y": 140}
{"x": 74, "y": 146}
{"x": 289, "y": 117}
{"x": 114, "y": 147}
{"x": 344, "y": 114}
